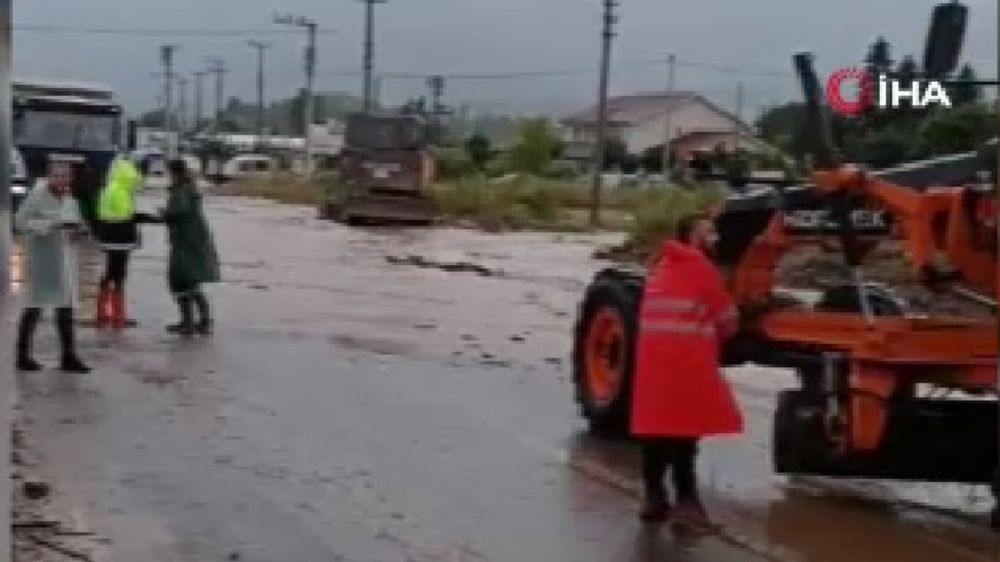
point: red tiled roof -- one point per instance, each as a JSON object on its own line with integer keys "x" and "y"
{"x": 635, "y": 108}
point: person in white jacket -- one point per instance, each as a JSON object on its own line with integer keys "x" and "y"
{"x": 50, "y": 223}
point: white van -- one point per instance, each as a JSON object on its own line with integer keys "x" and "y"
{"x": 248, "y": 165}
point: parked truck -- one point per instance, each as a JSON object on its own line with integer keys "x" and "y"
{"x": 386, "y": 172}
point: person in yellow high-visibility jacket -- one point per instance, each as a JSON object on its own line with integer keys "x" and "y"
{"x": 118, "y": 234}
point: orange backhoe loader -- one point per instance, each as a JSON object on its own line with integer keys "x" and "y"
{"x": 869, "y": 403}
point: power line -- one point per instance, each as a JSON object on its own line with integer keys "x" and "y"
{"x": 149, "y": 32}
{"x": 569, "y": 72}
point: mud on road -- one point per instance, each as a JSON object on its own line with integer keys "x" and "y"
{"x": 404, "y": 395}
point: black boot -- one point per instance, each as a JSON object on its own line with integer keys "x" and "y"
{"x": 186, "y": 326}
{"x": 204, "y": 325}
{"x": 25, "y": 335}
{"x": 70, "y": 361}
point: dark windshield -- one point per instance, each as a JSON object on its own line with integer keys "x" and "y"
{"x": 58, "y": 129}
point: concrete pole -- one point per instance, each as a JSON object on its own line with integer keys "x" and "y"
{"x": 369, "y": 54}
{"x": 198, "y": 107}
{"x": 309, "y": 113}
{"x": 217, "y": 67}
{"x": 310, "y": 60}
{"x": 7, "y": 305}
{"x": 738, "y": 131}
{"x": 667, "y": 125}
{"x": 260, "y": 46}
{"x": 6, "y": 148}
{"x": 600, "y": 144}
{"x": 167, "y": 56}
{"x": 377, "y": 91}
{"x": 182, "y": 104}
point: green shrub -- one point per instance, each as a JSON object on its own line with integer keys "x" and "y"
{"x": 656, "y": 212}
{"x": 286, "y": 188}
{"x": 454, "y": 163}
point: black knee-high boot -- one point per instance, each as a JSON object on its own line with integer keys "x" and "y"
{"x": 186, "y": 327}
{"x": 25, "y": 335}
{"x": 70, "y": 360}
{"x": 204, "y": 325}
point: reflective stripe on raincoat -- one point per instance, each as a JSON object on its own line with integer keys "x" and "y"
{"x": 685, "y": 317}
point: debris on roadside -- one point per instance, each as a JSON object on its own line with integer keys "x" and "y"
{"x": 451, "y": 267}
{"x": 35, "y": 489}
{"x": 41, "y": 529}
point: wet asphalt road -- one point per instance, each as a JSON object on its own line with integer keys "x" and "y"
{"x": 352, "y": 409}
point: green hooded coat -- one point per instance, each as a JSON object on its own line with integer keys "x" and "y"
{"x": 193, "y": 258}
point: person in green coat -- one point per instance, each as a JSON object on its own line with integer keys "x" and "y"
{"x": 193, "y": 259}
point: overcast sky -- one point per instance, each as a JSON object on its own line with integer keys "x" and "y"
{"x": 477, "y": 36}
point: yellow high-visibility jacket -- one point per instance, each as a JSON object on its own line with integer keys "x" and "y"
{"x": 117, "y": 201}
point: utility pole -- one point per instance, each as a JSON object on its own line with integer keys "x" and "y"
{"x": 218, "y": 67}
{"x": 182, "y": 105}
{"x": 260, "y": 46}
{"x": 668, "y": 133}
{"x": 369, "y": 57}
{"x": 737, "y": 132}
{"x": 377, "y": 82}
{"x": 310, "y": 64}
{"x": 6, "y": 258}
{"x": 607, "y": 35}
{"x": 167, "y": 58}
{"x": 6, "y": 244}
{"x": 198, "y": 76}
{"x": 436, "y": 85}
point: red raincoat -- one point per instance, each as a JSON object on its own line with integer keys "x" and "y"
{"x": 686, "y": 315}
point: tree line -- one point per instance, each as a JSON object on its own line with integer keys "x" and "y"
{"x": 883, "y": 138}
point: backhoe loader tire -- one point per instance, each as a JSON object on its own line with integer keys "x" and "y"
{"x": 798, "y": 443}
{"x": 995, "y": 514}
{"x": 604, "y": 351}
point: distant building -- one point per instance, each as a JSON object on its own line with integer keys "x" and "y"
{"x": 148, "y": 139}
{"x": 640, "y": 122}
{"x": 327, "y": 138}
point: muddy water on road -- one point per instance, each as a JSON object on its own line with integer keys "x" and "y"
{"x": 355, "y": 408}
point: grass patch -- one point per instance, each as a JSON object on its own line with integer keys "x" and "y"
{"x": 655, "y": 213}
{"x": 518, "y": 202}
{"x": 284, "y": 188}
{"x": 648, "y": 215}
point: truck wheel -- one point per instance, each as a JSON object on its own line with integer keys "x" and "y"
{"x": 604, "y": 351}
{"x": 995, "y": 514}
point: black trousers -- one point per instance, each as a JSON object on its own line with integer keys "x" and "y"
{"x": 29, "y": 321}
{"x": 116, "y": 269}
{"x": 676, "y": 452}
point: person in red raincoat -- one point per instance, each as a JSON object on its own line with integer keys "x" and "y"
{"x": 679, "y": 394}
